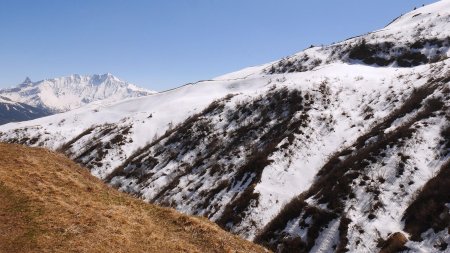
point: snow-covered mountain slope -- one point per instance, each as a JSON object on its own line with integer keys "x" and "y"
{"x": 71, "y": 92}
{"x": 11, "y": 111}
{"x": 337, "y": 148}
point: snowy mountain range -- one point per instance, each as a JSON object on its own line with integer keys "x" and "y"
{"x": 70, "y": 92}
{"x": 337, "y": 148}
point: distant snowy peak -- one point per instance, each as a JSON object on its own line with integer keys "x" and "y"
{"x": 26, "y": 82}
{"x": 71, "y": 92}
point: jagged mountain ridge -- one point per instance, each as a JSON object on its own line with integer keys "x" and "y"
{"x": 322, "y": 151}
{"x": 71, "y": 92}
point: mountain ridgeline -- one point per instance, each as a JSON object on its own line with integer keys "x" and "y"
{"x": 339, "y": 148}
{"x": 31, "y": 100}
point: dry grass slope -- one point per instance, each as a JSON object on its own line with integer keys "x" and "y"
{"x": 50, "y": 204}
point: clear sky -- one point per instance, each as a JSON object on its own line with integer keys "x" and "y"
{"x": 160, "y": 44}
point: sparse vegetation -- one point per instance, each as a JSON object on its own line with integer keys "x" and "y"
{"x": 50, "y": 204}
{"x": 290, "y": 65}
{"x": 409, "y": 55}
{"x": 334, "y": 182}
{"x": 429, "y": 209}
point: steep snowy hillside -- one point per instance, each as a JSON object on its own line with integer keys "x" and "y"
{"x": 11, "y": 111}
{"x": 337, "y": 148}
{"x": 70, "y": 92}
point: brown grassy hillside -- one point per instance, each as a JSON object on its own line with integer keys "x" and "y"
{"x": 50, "y": 204}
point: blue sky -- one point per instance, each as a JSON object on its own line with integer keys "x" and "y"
{"x": 161, "y": 44}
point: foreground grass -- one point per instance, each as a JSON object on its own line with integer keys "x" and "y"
{"x": 50, "y": 204}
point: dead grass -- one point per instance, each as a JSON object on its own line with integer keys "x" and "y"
{"x": 395, "y": 243}
{"x": 50, "y": 204}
